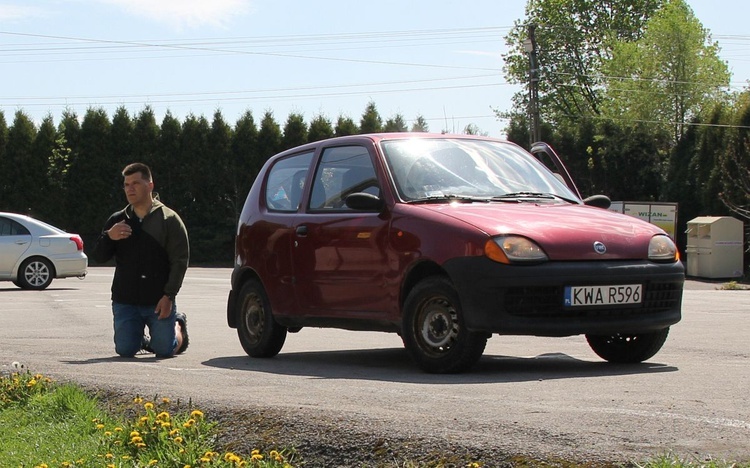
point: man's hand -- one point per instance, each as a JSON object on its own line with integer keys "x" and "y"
{"x": 164, "y": 307}
{"x": 119, "y": 231}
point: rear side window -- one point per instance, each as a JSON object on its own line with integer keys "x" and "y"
{"x": 8, "y": 227}
{"x": 286, "y": 182}
{"x": 342, "y": 171}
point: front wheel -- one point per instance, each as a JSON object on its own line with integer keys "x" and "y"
{"x": 433, "y": 331}
{"x": 628, "y": 348}
{"x": 35, "y": 273}
{"x": 259, "y": 333}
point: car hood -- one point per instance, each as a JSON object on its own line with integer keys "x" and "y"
{"x": 564, "y": 231}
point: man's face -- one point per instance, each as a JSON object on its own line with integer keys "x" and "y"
{"x": 137, "y": 189}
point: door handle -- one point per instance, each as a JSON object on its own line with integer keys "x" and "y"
{"x": 301, "y": 231}
{"x": 20, "y": 242}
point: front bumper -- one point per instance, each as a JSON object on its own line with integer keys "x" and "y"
{"x": 528, "y": 299}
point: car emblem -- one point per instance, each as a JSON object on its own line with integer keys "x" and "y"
{"x": 600, "y": 248}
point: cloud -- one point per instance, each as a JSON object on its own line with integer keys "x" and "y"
{"x": 185, "y": 13}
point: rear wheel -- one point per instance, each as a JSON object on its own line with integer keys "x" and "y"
{"x": 628, "y": 348}
{"x": 433, "y": 329}
{"x": 35, "y": 273}
{"x": 259, "y": 333}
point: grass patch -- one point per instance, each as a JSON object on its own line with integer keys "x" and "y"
{"x": 49, "y": 425}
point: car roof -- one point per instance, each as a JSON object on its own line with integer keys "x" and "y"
{"x": 378, "y": 137}
{"x": 29, "y": 222}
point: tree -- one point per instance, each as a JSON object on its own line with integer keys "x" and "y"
{"x": 269, "y": 137}
{"x": 371, "y": 121}
{"x": 92, "y": 173}
{"x": 49, "y": 208}
{"x": 295, "y": 131}
{"x": 573, "y": 38}
{"x": 4, "y": 180}
{"x": 167, "y": 157}
{"x": 669, "y": 75}
{"x": 320, "y": 129}
{"x": 397, "y": 123}
{"x": 245, "y": 159}
{"x": 420, "y": 125}
{"x": 735, "y": 162}
{"x": 345, "y": 126}
{"x": 24, "y": 170}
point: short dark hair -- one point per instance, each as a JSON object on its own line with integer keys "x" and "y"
{"x": 131, "y": 169}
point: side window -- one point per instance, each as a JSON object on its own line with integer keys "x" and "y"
{"x": 8, "y": 227}
{"x": 342, "y": 171}
{"x": 286, "y": 182}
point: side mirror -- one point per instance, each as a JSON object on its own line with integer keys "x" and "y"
{"x": 363, "y": 201}
{"x": 598, "y": 201}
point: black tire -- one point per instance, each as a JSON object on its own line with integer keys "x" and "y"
{"x": 259, "y": 333}
{"x": 35, "y": 273}
{"x": 433, "y": 329}
{"x": 628, "y": 348}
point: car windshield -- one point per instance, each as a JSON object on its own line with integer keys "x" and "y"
{"x": 435, "y": 168}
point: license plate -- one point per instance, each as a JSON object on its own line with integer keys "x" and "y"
{"x": 577, "y": 296}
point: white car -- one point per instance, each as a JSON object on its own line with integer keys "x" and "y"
{"x": 33, "y": 253}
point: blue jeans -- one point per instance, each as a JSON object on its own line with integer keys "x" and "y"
{"x": 130, "y": 321}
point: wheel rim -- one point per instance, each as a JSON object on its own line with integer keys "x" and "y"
{"x": 36, "y": 273}
{"x": 438, "y": 326}
{"x": 254, "y": 318}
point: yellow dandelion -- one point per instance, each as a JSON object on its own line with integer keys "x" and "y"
{"x": 136, "y": 440}
{"x": 118, "y": 429}
{"x": 66, "y": 464}
{"x": 148, "y": 405}
{"x": 135, "y": 434}
{"x": 178, "y": 440}
{"x": 165, "y": 401}
{"x": 196, "y": 414}
{"x": 153, "y": 462}
{"x": 31, "y": 383}
{"x": 111, "y": 465}
{"x": 109, "y": 456}
{"x": 108, "y": 433}
{"x": 163, "y": 416}
{"x": 138, "y": 400}
{"x": 257, "y": 456}
{"x": 189, "y": 423}
{"x": 126, "y": 457}
{"x": 100, "y": 426}
{"x": 205, "y": 460}
{"x": 43, "y": 465}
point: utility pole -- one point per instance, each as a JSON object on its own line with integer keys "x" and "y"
{"x": 529, "y": 46}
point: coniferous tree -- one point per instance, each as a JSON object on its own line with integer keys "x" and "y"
{"x": 4, "y": 180}
{"x": 397, "y": 123}
{"x": 371, "y": 121}
{"x": 244, "y": 159}
{"x": 420, "y": 125}
{"x": 320, "y": 129}
{"x": 91, "y": 175}
{"x": 345, "y": 126}
{"x": 269, "y": 137}
{"x": 295, "y": 131}
{"x": 50, "y": 208}
{"x": 23, "y": 171}
{"x": 167, "y": 157}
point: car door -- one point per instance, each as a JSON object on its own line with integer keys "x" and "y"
{"x": 15, "y": 239}
{"x": 340, "y": 266}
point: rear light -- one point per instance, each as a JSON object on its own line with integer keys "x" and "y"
{"x": 78, "y": 241}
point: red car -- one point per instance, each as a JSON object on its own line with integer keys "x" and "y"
{"x": 445, "y": 240}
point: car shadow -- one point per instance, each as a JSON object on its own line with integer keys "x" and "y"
{"x": 98, "y": 360}
{"x": 394, "y": 365}
{"x": 17, "y": 289}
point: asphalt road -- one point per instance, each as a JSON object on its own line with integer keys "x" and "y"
{"x": 548, "y": 396}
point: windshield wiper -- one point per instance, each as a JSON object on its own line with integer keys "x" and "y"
{"x": 449, "y": 198}
{"x": 517, "y": 195}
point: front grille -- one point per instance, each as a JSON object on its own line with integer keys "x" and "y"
{"x": 547, "y": 302}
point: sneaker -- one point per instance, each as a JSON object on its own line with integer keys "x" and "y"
{"x": 181, "y": 318}
{"x": 146, "y": 345}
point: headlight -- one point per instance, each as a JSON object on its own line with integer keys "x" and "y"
{"x": 662, "y": 249}
{"x": 514, "y": 249}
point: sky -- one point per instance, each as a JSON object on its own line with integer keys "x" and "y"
{"x": 439, "y": 59}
